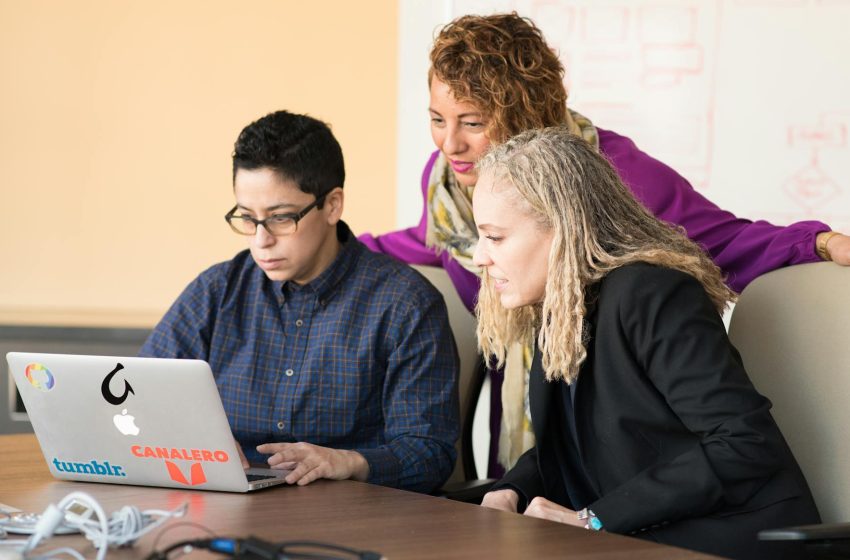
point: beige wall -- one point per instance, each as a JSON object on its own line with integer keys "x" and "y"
{"x": 117, "y": 121}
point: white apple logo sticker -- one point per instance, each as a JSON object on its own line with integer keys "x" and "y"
{"x": 126, "y": 423}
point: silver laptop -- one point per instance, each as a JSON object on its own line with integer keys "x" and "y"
{"x": 145, "y": 421}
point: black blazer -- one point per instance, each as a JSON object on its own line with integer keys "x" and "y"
{"x": 676, "y": 442}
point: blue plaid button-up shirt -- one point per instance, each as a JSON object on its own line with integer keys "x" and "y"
{"x": 360, "y": 358}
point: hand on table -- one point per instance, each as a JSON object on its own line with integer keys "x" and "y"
{"x": 544, "y": 509}
{"x": 311, "y": 462}
{"x": 503, "y": 500}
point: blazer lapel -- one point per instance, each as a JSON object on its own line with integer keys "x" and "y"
{"x": 580, "y": 406}
{"x": 539, "y": 396}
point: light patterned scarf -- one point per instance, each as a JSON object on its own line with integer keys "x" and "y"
{"x": 451, "y": 228}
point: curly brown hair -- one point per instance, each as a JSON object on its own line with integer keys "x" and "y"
{"x": 502, "y": 65}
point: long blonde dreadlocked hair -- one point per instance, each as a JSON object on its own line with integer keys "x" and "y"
{"x": 597, "y": 225}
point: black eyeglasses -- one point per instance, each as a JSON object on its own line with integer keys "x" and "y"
{"x": 276, "y": 224}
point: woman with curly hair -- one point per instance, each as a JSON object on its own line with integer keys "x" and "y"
{"x": 492, "y": 77}
{"x": 645, "y": 420}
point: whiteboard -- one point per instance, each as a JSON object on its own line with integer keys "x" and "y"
{"x": 748, "y": 99}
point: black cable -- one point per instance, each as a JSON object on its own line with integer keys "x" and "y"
{"x": 163, "y": 554}
{"x": 285, "y": 554}
{"x": 180, "y": 525}
{"x": 252, "y": 548}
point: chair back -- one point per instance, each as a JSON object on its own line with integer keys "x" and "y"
{"x": 471, "y": 375}
{"x": 792, "y": 328}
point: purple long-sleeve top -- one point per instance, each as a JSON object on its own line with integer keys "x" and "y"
{"x": 743, "y": 249}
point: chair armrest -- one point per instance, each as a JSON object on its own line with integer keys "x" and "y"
{"x": 812, "y": 542}
{"x": 822, "y": 532}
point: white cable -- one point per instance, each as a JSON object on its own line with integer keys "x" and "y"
{"x": 47, "y": 523}
{"x": 81, "y": 511}
{"x": 14, "y": 542}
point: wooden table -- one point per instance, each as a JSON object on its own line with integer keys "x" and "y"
{"x": 396, "y": 523}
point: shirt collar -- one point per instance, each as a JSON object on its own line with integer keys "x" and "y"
{"x": 323, "y": 286}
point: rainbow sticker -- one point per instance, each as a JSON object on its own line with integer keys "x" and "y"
{"x": 40, "y": 377}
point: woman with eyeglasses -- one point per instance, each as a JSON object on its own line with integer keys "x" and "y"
{"x": 492, "y": 77}
{"x": 645, "y": 420}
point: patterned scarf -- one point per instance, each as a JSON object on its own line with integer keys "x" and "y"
{"x": 451, "y": 228}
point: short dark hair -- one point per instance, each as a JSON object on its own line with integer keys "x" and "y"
{"x": 299, "y": 148}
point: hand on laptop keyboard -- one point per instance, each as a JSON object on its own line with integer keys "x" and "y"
{"x": 313, "y": 462}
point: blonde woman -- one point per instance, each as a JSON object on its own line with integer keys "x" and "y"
{"x": 645, "y": 420}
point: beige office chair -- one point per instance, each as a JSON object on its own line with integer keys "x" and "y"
{"x": 792, "y": 328}
{"x": 463, "y": 484}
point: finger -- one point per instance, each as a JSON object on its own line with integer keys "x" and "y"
{"x": 298, "y": 472}
{"x": 275, "y": 460}
{"x": 312, "y": 475}
{"x": 542, "y": 514}
{"x": 540, "y": 510}
{"x": 290, "y": 454}
{"x": 269, "y": 448}
{"x": 539, "y": 501}
{"x": 552, "y": 512}
{"x": 494, "y": 503}
{"x": 285, "y": 465}
{"x": 532, "y": 510}
{"x": 541, "y": 505}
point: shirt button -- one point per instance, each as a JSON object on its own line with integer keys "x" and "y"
{"x": 289, "y": 373}
{"x": 299, "y": 323}
{"x": 280, "y": 425}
